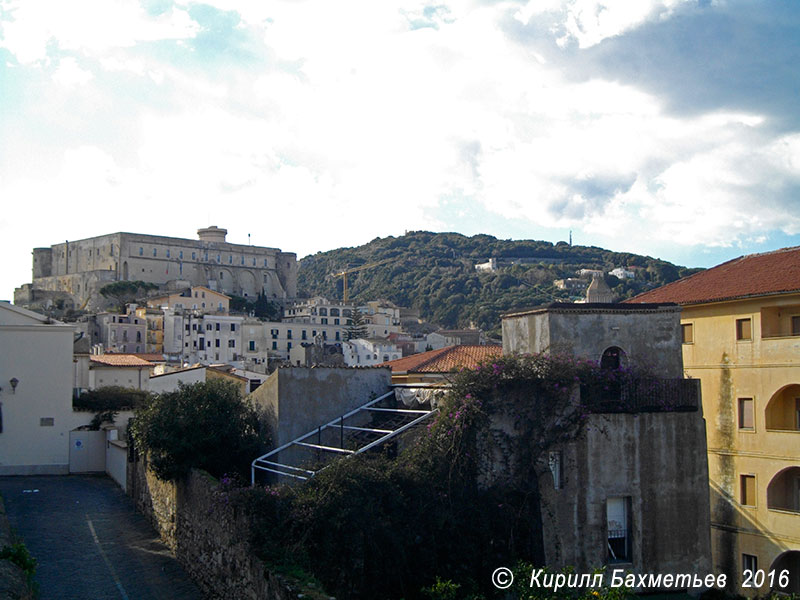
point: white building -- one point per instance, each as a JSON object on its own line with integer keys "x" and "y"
{"x": 369, "y": 352}
{"x": 622, "y": 273}
{"x": 191, "y": 337}
{"x": 36, "y": 374}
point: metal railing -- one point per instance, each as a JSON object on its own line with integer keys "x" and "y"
{"x": 642, "y": 395}
{"x": 268, "y": 462}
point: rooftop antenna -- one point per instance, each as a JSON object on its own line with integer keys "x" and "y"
{"x": 248, "y": 240}
{"x": 570, "y": 238}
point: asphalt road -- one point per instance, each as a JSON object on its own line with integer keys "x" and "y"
{"x": 89, "y": 542}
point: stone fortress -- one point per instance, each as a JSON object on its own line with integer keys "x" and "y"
{"x": 72, "y": 273}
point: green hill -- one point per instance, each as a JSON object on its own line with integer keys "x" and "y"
{"x": 435, "y": 272}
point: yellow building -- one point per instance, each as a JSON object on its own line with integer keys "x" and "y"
{"x": 154, "y": 318}
{"x": 741, "y": 337}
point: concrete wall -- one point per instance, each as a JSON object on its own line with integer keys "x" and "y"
{"x": 208, "y": 537}
{"x": 650, "y": 336}
{"x": 298, "y": 399}
{"x": 168, "y": 382}
{"x": 655, "y": 460}
{"x": 117, "y": 462}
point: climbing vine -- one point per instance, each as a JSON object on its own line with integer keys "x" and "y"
{"x": 454, "y": 505}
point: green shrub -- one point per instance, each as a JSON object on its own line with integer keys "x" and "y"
{"x": 110, "y": 398}
{"x": 20, "y": 556}
{"x": 205, "y": 425}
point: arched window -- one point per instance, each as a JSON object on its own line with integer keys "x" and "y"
{"x": 613, "y": 358}
{"x": 783, "y": 492}
{"x": 783, "y": 409}
{"x": 788, "y": 561}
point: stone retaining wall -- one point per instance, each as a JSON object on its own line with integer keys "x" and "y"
{"x": 208, "y": 537}
{"x": 13, "y": 583}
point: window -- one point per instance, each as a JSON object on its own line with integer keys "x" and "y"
{"x": 231, "y": 343}
{"x": 221, "y": 274}
{"x": 251, "y": 346}
{"x": 324, "y": 320}
{"x": 141, "y": 251}
{"x": 216, "y": 343}
{"x": 749, "y": 563}
{"x": 288, "y": 334}
{"x": 167, "y": 252}
{"x": 619, "y": 529}
{"x": 744, "y": 329}
{"x": 746, "y": 414}
{"x": 747, "y": 490}
{"x": 303, "y": 335}
{"x": 230, "y": 259}
{"x": 288, "y": 345}
{"x": 274, "y": 345}
{"x": 274, "y": 333}
{"x": 208, "y": 326}
{"x": 233, "y": 326}
{"x": 796, "y": 325}
{"x": 338, "y": 336}
{"x": 194, "y": 255}
{"x": 336, "y": 321}
{"x": 155, "y": 252}
{"x": 687, "y": 333}
{"x": 139, "y": 336}
{"x": 202, "y": 343}
{"x": 180, "y": 254}
{"x": 217, "y": 326}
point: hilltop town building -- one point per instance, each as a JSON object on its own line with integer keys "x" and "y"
{"x": 630, "y": 491}
{"x": 741, "y": 333}
{"x": 73, "y": 272}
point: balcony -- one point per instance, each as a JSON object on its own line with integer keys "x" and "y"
{"x": 643, "y": 396}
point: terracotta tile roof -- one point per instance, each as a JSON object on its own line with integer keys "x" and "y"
{"x": 148, "y": 356}
{"x": 753, "y": 275}
{"x": 444, "y": 360}
{"x": 119, "y": 360}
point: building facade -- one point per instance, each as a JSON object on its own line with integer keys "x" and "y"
{"x": 80, "y": 268}
{"x": 741, "y": 339}
{"x": 629, "y": 492}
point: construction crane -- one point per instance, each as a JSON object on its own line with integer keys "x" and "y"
{"x": 343, "y": 274}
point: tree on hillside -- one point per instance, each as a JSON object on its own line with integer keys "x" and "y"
{"x": 357, "y": 329}
{"x": 206, "y": 425}
{"x": 124, "y": 292}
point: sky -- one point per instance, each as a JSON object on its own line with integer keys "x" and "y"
{"x": 668, "y": 128}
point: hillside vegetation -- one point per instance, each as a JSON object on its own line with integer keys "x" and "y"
{"x": 435, "y": 273}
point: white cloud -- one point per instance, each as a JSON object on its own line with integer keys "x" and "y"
{"x": 353, "y": 124}
{"x": 589, "y": 22}
{"x": 91, "y": 26}
{"x": 69, "y": 74}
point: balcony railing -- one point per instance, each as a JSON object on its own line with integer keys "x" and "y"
{"x": 642, "y": 395}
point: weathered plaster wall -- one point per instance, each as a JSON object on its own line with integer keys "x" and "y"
{"x": 657, "y": 460}
{"x": 298, "y": 399}
{"x": 650, "y": 338}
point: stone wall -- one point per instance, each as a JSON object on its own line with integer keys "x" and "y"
{"x": 208, "y": 536}
{"x": 13, "y": 583}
